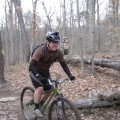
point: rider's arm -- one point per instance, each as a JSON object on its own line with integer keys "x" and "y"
{"x": 63, "y": 63}
{"x": 65, "y": 68}
{"x": 33, "y": 67}
{"x": 34, "y": 61}
{"x": 67, "y": 71}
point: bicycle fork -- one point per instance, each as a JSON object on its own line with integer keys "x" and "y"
{"x": 60, "y": 108}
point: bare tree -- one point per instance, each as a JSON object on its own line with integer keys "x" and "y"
{"x": 71, "y": 27}
{"x": 2, "y": 80}
{"x": 114, "y": 6}
{"x": 87, "y": 26}
{"x": 71, "y": 14}
{"x": 81, "y": 40}
{"x": 92, "y": 29}
{"x": 64, "y": 18}
{"x": 34, "y": 4}
{"x": 18, "y": 9}
{"x": 98, "y": 24}
{"x": 10, "y": 4}
{"x": 7, "y": 38}
{"x": 48, "y": 16}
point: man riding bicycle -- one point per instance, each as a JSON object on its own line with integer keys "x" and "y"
{"x": 41, "y": 60}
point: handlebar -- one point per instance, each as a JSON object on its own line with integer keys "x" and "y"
{"x": 58, "y": 76}
{"x": 58, "y": 81}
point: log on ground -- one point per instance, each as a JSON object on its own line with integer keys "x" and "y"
{"x": 103, "y": 62}
{"x": 95, "y": 103}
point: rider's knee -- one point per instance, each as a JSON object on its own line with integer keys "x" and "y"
{"x": 39, "y": 89}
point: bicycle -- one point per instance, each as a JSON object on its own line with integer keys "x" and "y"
{"x": 59, "y": 107}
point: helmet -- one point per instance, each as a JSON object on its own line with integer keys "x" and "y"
{"x": 53, "y": 36}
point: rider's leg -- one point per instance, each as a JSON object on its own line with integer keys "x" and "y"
{"x": 44, "y": 98}
{"x": 37, "y": 96}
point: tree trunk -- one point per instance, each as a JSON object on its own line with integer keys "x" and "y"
{"x": 48, "y": 16}
{"x": 33, "y": 42}
{"x": 92, "y": 29}
{"x": 7, "y": 38}
{"x": 114, "y": 64}
{"x": 87, "y": 26}
{"x": 98, "y": 24}
{"x": 18, "y": 9}
{"x": 64, "y": 18}
{"x": 2, "y": 80}
{"x": 95, "y": 103}
{"x": 101, "y": 101}
{"x": 81, "y": 40}
{"x": 11, "y": 58}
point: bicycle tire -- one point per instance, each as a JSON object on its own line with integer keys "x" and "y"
{"x": 60, "y": 109}
{"x": 27, "y": 104}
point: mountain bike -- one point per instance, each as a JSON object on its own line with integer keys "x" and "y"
{"x": 59, "y": 107}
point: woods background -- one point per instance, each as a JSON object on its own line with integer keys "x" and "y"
{"x": 87, "y": 31}
{"x": 92, "y": 28}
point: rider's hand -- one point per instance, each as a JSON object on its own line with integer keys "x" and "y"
{"x": 71, "y": 77}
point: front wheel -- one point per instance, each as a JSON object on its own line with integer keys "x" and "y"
{"x": 27, "y": 104}
{"x": 63, "y": 109}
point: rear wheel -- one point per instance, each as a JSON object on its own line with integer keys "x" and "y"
{"x": 63, "y": 109}
{"x": 27, "y": 104}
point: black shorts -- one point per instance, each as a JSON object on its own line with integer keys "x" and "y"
{"x": 46, "y": 85}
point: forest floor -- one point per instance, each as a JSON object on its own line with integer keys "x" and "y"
{"x": 106, "y": 81}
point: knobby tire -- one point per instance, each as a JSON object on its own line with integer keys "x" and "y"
{"x": 26, "y": 96}
{"x": 63, "y": 109}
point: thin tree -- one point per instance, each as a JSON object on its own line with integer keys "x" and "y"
{"x": 98, "y": 24}
{"x": 6, "y": 48}
{"x": 10, "y": 4}
{"x": 18, "y": 9}
{"x": 72, "y": 25}
{"x": 64, "y": 18}
{"x": 2, "y": 80}
{"x": 48, "y": 16}
{"x": 87, "y": 26}
{"x": 115, "y": 4}
{"x": 92, "y": 29}
{"x": 81, "y": 40}
{"x": 34, "y": 4}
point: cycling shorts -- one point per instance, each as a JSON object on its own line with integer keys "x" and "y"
{"x": 45, "y": 84}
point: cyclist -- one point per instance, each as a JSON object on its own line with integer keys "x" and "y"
{"x": 41, "y": 60}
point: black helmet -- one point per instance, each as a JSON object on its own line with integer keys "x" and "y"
{"x": 53, "y": 36}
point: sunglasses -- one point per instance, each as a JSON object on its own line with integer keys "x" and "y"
{"x": 55, "y": 42}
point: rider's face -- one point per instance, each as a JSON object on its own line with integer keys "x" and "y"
{"x": 53, "y": 45}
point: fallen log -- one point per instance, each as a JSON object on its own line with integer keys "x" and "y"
{"x": 95, "y": 103}
{"x": 103, "y": 62}
{"x": 100, "y": 101}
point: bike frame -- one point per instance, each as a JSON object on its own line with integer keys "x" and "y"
{"x": 53, "y": 92}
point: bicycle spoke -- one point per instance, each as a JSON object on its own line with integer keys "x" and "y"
{"x": 27, "y": 104}
{"x": 63, "y": 110}
{"x": 28, "y": 109}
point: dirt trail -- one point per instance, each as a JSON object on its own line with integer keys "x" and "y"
{"x": 17, "y": 77}
{"x": 9, "y": 106}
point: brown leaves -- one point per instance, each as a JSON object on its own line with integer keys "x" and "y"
{"x": 18, "y": 77}
{"x": 86, "y": 87}
{"x": 105, "y": 82}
